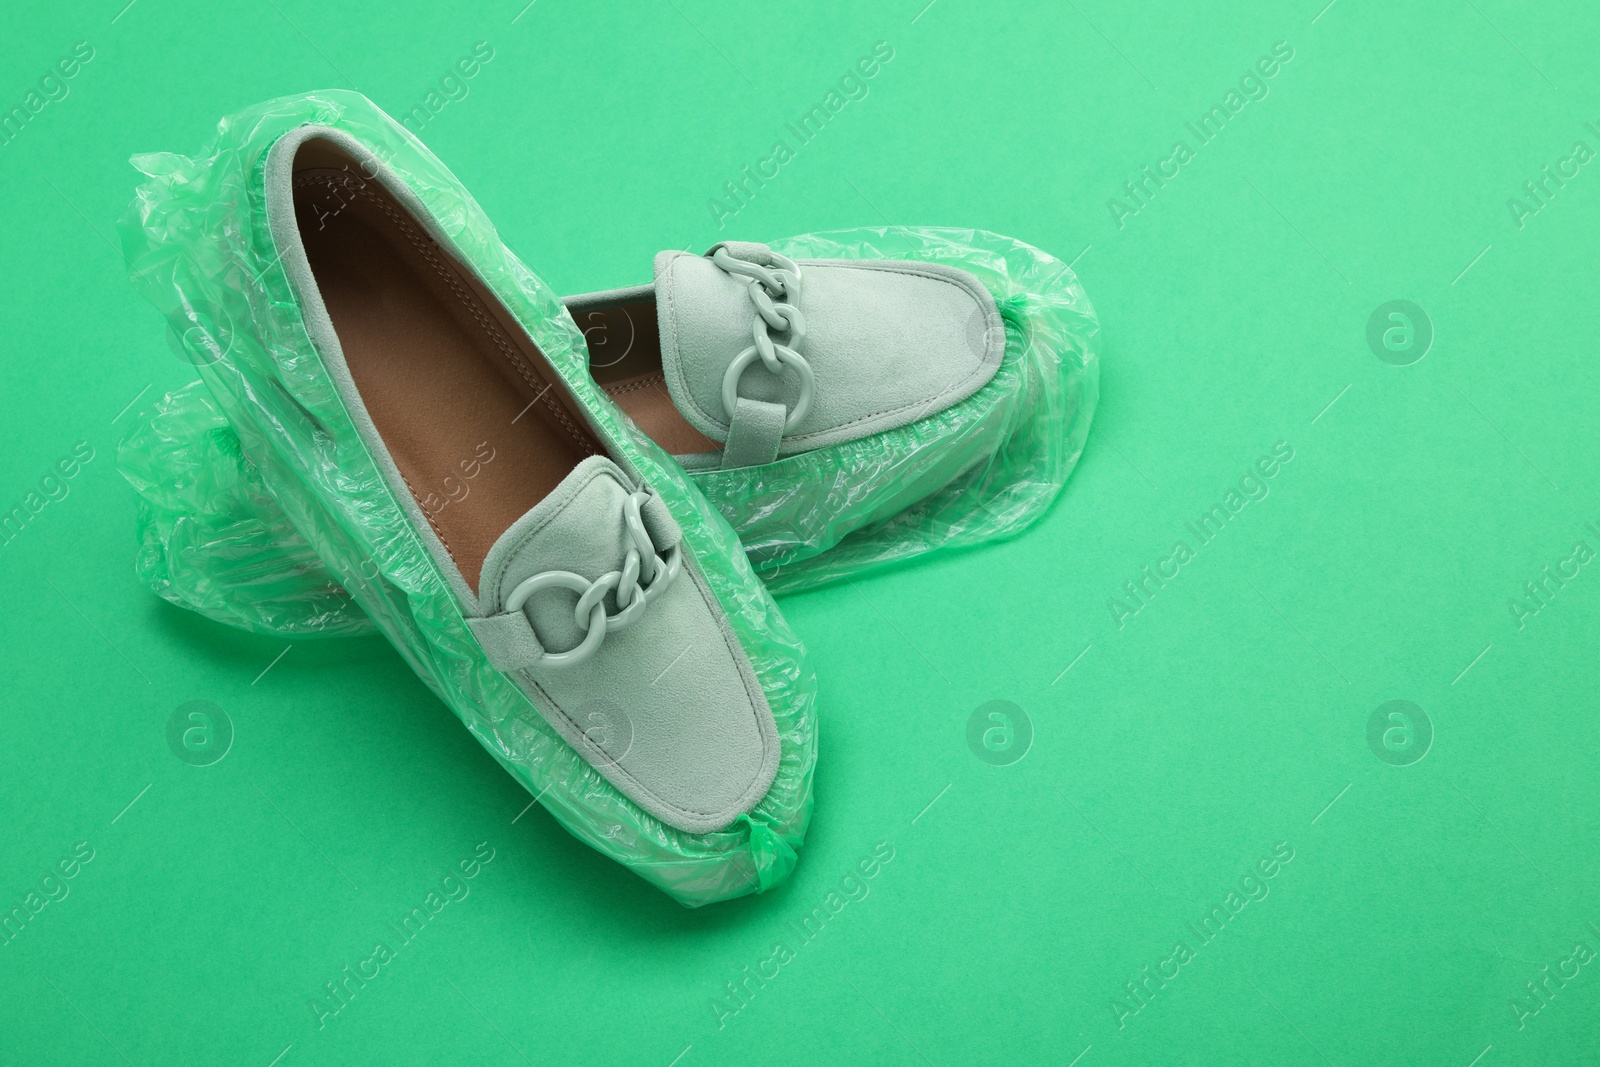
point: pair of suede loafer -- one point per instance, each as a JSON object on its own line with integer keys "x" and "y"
{"x": 567, "y": 515}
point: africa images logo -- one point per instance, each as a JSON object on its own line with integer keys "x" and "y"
{"x": 854, "y": 887}
{"x": 852, "y": 85}
{"x": 339, "y": 992}
{"x": 1253, "y": 887}
{"x": 1253, "y": 85}
{"x": 1253, "y": 486}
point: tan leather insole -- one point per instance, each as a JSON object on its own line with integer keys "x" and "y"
{"x": 625, "y": 358}
{"x": 456, "y": 389}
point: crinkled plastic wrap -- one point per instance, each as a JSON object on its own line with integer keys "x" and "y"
{"x": 213, "y": 539}
{"x": 981, "y": 469}
{"x": 198, "y": 247}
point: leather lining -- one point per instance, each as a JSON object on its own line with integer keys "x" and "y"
{"x": 479, "y": 425}
{"x": 624, "y": 343}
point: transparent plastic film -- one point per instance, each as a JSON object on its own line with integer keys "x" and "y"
{"x": 214, "y": 540}
{"x": 294, "y": 482}
{"x": 979, "y": 470}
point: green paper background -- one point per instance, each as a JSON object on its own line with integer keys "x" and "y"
{"x": 1170, "y": 754}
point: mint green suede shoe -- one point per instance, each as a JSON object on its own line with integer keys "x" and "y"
{"x": 948, "y": 385}
{"x": 580, "y": 606}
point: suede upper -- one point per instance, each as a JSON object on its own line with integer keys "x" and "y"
{"x": 669, "y": 710}
{"x": 889, "y": 342}
{"x": 667, "y": 701}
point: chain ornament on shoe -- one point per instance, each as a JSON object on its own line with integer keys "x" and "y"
{"x": 643, "y": 578}
{"x": 775, "y": 292}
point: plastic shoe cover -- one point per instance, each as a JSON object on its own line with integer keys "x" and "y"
{"x": 804, "y": 520}
{"x": 199, "y": 247}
